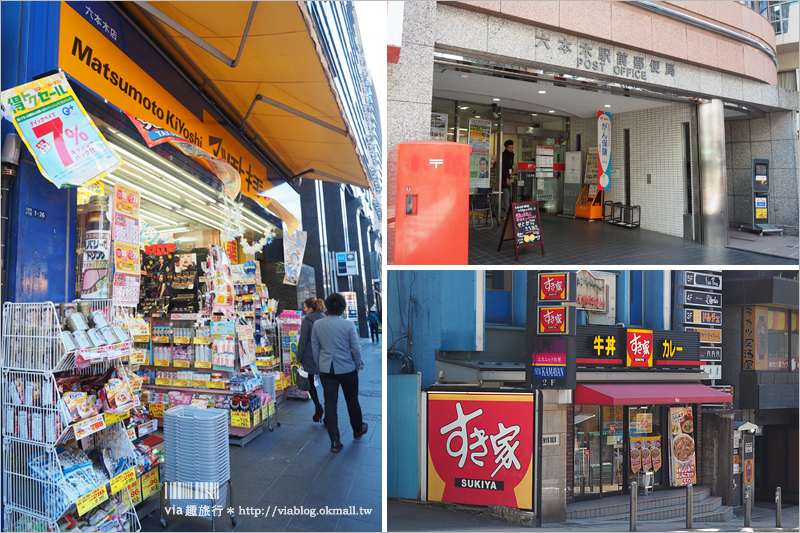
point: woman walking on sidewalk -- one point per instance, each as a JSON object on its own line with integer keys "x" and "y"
{"x": 337, "y": 352}
{"x": 314, "y": 310}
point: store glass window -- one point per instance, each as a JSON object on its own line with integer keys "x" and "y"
{"x": 646, "y": 440}
{"x": 499, "y": 297}
{"x": 613, "y": 449}
{"x": 443, "y": 120}
{"x": 778, "y": 339}
{"x": 586, "y": 479}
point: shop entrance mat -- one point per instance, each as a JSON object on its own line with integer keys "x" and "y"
{"x": 152, "y": 440}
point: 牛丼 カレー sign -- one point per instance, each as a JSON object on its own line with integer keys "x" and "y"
{"x": 480, "y": 449}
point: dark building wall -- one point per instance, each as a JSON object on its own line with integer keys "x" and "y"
{"x": 716, "y": 468}
{"x": 732, "y": 349}
{"x": 369, "y": 274}
{"x": 313, "y": 255}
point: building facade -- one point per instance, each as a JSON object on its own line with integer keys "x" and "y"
{"x": 469, "y": 332}
{"x": 691, "y": 88}
{"x": 317, "y": 153}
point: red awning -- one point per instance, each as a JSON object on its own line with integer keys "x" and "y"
{"x": 647, "y": 393}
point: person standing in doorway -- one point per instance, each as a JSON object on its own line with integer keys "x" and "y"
{"x": 314, "y": 310}
{"x": 374, "y": 323}
{"x": 337, "y": 352}
{"x": 506, "y": 171}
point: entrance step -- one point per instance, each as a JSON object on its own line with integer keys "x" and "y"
{"x": 723, "y": 514}
{"x": 620, "y": 505}
{"x": 707, "y": 506}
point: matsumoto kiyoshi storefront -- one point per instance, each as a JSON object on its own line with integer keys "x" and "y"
{"x": 637, "y": 411}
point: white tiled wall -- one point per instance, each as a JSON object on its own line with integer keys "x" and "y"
{"x": 657, "y": 149}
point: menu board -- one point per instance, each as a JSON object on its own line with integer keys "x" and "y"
{"x": 523, "y": 226}
{"x": 682, "y": 447}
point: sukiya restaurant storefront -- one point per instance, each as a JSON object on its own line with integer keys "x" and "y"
{"x": 636, "y": 410}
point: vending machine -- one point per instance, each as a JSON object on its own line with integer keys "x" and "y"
{"x": 432, "y": 203}
{"x": 760, "y": 184}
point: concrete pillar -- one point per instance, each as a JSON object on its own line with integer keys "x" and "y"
{"x": 713, "y": 173}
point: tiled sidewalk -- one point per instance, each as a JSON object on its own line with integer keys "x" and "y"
{"x": 576, "y": 241}
{"x": 293, "y": 467}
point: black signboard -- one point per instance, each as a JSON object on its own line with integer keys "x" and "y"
{"x": 702, "y": 317}
{"x": 760, "y": 174}
{"x": 552, "y": 363}
{"x": 605, "y": 346}
{"x": 703, "y": 299}
{"x": 676, "y": 349}
{"x": 600, "y": 346}
{"x": 523, "y": 226}
{"x": 708, "y": 353}
{"x": 703, "y": 280}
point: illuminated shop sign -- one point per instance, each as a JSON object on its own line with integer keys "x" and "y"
{"x": 480, "y": 449}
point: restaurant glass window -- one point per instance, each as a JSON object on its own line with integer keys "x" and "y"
{"x": 645, "y": 438}
{"x": 587, "y": 448}
{"x": 778, "y": 339}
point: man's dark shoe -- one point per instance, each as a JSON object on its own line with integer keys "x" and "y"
{"x": 336, "y": 446}
{"x": 364, "y": 428}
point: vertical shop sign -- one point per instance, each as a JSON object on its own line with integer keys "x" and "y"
{"x": 748, "y": 338}
{"x": 552, "y": 364}
{"x": 591, "y": 292}
{"x": 232, "y": 249}
{"x": 603, "y": 150}
{"x": 557, "y": 287}
{"x": 65, "y": 143}
{"x": 639, "y": 348}
{"x": 480, "y": 449}
{"x": 682, "y": 447}
{"x": 294, "y": 247}
{"x": 127, "y": 260}
{"x": 480, "y": 132}
{"x": 352, "y": 306}
{"x": 438, "y": 126}
{"x": 556, "y": 320}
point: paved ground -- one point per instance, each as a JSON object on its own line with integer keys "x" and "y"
{"x": 293, "y": 468}
{"x": 416, "y": 516}
{"x": 576, "y": 241}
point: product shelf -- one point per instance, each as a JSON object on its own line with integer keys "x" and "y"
{"x": 190, "y": 389}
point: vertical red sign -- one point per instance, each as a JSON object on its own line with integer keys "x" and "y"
{"x": 552, "y": 320}
{"x": 552, "y": 287}
{"x": 639, "y": 347}
{"x": 480, "y": 449}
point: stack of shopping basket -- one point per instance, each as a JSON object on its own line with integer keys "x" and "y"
{"x": 197, "y": 468}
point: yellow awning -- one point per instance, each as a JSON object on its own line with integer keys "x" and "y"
{"x": 299, "y": 122}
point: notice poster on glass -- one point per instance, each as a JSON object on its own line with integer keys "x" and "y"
{"x": 682, "y": 447}
{"x": 438, "y": 126}
{"x": 572, "y": 172}
{"x": 480, "y": 133}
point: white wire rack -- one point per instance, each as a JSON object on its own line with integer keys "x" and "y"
{"x": 36, "y": 493}
{"x": 268, "y": 386}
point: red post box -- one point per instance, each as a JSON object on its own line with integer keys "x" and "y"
{"x": 432, "y": 202}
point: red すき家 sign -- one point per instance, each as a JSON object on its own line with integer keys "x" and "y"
{"x": 552, "y": 320}
{"x": 480, "y": 449}
{"x": 552, "y": 287}
{"x": 639, "y": 347}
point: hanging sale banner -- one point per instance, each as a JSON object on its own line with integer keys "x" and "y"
{"x": 294, "y": 247}
{"x": 67, "y": 146}
{"x": 682, "y": 452}
{"x": 127, "y": 261}
{"x": 153, "y": 136}
{"x": 603, "y": 150}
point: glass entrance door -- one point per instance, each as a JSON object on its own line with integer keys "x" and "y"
{"x": 587, "y": 468}
{"x": 613, "y": 449}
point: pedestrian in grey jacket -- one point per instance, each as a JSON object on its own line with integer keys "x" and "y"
{"x": 337, "y": 352}
{"x": 314, "y": 310}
